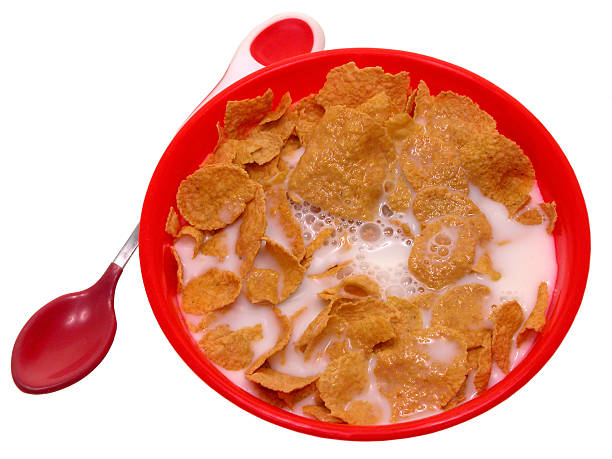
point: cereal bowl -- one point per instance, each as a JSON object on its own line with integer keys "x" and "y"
{"x": 303, "y": 75}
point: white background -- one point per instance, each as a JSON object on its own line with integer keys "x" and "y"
{"x": 90, "y": 96}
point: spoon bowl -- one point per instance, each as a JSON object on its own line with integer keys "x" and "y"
{"x": 67, "y": 338}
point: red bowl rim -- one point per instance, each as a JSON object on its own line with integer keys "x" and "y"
{"x": 518, "y": 377}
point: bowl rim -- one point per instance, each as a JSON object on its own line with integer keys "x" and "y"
{"x": 518, "y": 377}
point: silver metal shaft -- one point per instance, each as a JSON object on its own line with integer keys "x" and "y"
{"x": 128, "y": 248}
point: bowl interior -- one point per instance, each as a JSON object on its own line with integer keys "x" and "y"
{"x": 302, "y": 76}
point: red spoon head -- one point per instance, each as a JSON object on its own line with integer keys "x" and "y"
{"x": 67, "y": 338}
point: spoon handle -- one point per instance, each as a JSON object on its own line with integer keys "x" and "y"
{"x": 128, "y": 248}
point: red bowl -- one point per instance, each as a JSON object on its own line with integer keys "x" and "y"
{"x": 302, "y": 76}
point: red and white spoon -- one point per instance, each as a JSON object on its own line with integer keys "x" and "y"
{"x": 68, "y": 337}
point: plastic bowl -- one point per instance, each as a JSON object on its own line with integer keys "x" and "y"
{"x": 302, "y": 76}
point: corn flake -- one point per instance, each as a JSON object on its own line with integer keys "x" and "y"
{"x": 281, "y": 341}
{"x": 215, "y": 196}
{"x": 484, "y": 265}
{"x": 278, "y": 208}
{"x": 291, "y": 269}
{"x": 501, "y": 170}
{"x": 230, "y": 349}
{"x": 264, "y": 171}
{"x": 321, "y": 413}
{"x": 240, "y": 115}
{"x": 332, "y": 270}
{"x": 212, "y": 290}
{"x": 251, "y": 231}
{"x": 443, "y": 253}
{"x": 309, "y": 113}
{"x": 262, "y": 286}
{"x": 412, "y": 376}
{"x": 529, "y": 217}
{"x": 550, "y": 210}
{"x": 380, "y": 107}
{"x": 400, "y": 196}
{"x": 537, "y": 319}
{"x": 484, "y": 361}
{"x": 345, "y": 164}
{"x": 278, "y": 381}
{"x": 315, "y": 244}
{"x": 195, "y": 234}
{"x": 351, "y": 86}
{"x": 461, "y": 308}
{"x": 437, "y": 201}
{"x": 402, "y": 126}
{"x": 179, "y": 269}
{"x": 172, "y": 223}
{"x": 279, "y": 111}
{"x": 507, "y": 319}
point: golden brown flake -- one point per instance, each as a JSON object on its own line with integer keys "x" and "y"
{"x": 251, "y": 231}
{"x": 402, "y": 126}
{"x": 537, "y": 319}
{"x": 404, "y": 227}
{"x": 428, "y": 161}
{"x": 296, "y": 396}
{"x": 484, "y": 362}
{"x": 212, "y": 290}
{"x": 411, "y": 376}
{"x": 500, "y": 169}
{"x": 321, "y": 413}
{"x": 278, "y": 381}
{"x": 350, "y": 86}
{"x": 279, "y": 111}
{"x": 443, "y": 253}
{"x": 453, "y": 118}
{"x": 264, "y": 171}
{"x": 353, "y": 286}
{"x": 278, "y": 208}
{"x": 215, "y": 196}
{"x": 241, "y": 115}
{"x": 507, "y": 319}
{"x": 291, "y": 269}
{"x": 262, "y": 286}
{"x": 261, "y": 147}
{"x": 409, "y": 311}
{"x": 179, "y": 269}
{"x": 437, "y": 201}
{"x": 529, "y": 217}
{"x": 484, "y": 265}
{"x": 195, "y": 234}
{"x": 332, "y": 270}
{"x": 223, "y": 153}
{"x": 316, "y": 243}
{"x": 309, "y": 113}
{"x": 314, "y": 329}
{"x": 172, "y": 223}
{"x": 342, "y": 380}
{"x": 380, "y": 107}
{"x": 345, "y": 164}
{"x": 230, "y": 349}
{"x": 284, "y": 335}
{"x": 461, "y": 308}
{"x": 550, "y": 210}
{"x": 400, "y": 196}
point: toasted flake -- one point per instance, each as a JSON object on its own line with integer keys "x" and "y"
{"x": 278, "y": 209}
{"x": 281, "y": 341}
{"x": 550, "y": 210}
{"x": 453, "y": 118}
{"x": 279, "y": 111}
{"x": 484, "y": 265}
{"x": 402, "y": 126}
{"x": 421, "y": 371}
{"x": 291, "y": 269}
{"x": 501, "y": 170}
{"x": 400, "y": 196}
{"x": 428, "y": 161}
{"x": 315, "y": 244}
{"x": 195, "y": 234}
{"x": 251, "y": 231}
{"x": 289, "y": 148}
{"x": 443, "y": 253}
{"x": 314, "y": 329}
{"x": 438, "y": 201}
{"x": 278, "y": 381}
{"x": 529, "y": 217}
{"x": 361, "y": 412}
{"x": 350, "y": 86}
{"x": 380, "y": 107}
{"x": 296, "y": 396}
{"x": 262, "y": 286}
{"x": 459, "y": 397}
{"x": 212, "y": 290}
{"x": 461, "y": 307}
{"x": 345, "y": 164}
{"x": 507, "y": 319}
{"x": 179, "y": 269}
{"x": 309, "y": 113}
{"x": 223, "y": 153}
{"x": 404, "y": 227}
{"x": 537, "y": 319}
{"x": 343, "y": 379}
{"x": 321, "y": 413}
{"x": 409, "y": 311}
{"x": 172, "y": 223}
{"x": 484, "y": 361}
{"x": 215, "y": 196}
{"x": 264, "y": 171}
{"x": 332, "y": 270}
{"x": 230, "y": 349}
{"x": 354, "y": 286}
{"x": 260, "y": 147}
{"x": 241, "y": 115}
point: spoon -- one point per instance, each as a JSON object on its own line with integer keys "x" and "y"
{"x": 67, "y": 338}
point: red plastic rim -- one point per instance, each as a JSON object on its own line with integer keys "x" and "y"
{"x": 302, "y": 76}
